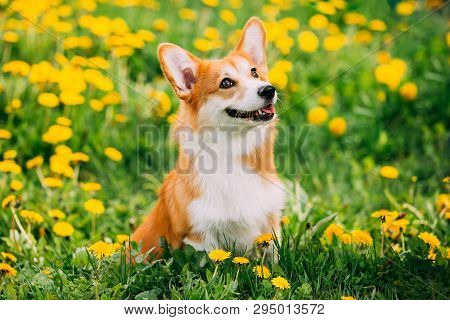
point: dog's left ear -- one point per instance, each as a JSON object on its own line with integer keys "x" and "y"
{"x": 253, "y": 41}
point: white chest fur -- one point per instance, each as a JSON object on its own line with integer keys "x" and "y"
{"x": 235, "y": 201}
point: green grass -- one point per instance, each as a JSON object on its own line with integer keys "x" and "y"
{"x": 327, "y": 178}
{"x": 314, "y": 273}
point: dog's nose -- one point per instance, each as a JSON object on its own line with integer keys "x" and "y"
{"x": 267, "y": 92}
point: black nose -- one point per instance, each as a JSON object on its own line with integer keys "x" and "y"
{"x": 267, "y": 92}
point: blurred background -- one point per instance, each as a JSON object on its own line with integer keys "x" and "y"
{"x": 85, "y": 111}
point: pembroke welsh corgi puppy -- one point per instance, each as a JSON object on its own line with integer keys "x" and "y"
{"x": 224, "y": 190}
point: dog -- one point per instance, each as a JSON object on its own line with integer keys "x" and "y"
{"x": 224, "y": 190}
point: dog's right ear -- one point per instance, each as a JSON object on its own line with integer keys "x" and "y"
{"x": 180, "y": 67}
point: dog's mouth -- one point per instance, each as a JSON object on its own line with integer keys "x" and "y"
{"x": 262, "y": 114}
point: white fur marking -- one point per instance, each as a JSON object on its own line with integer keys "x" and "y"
{"x": 236, "y": 201}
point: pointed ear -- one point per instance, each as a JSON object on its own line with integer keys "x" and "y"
{"x": 253, "y": 41}
{"x": 180, "y": 67}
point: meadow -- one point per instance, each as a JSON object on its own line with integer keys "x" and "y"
{"x": 362, "y": 148}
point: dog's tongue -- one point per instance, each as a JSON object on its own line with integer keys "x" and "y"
{"x": 268, "y": 109}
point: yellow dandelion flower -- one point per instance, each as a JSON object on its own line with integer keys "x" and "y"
{"x": 160, "y": 25}
{"x": 7, "y": 270}
{"x": 264, "y": 239}
{"x": 71, "y": 98}
{"x": 278, "y": 77}
{"x": 362, "y": 237}
{"x": 389, "y": 172}
{"x": 56, "y": 134}
{"x": 79, "y": 157}
{"x": 56, "y": 213}
{"x": 345, "y": 238}
{"x": 31, "y": 216}
{"x": 391, "y": 73}
{"x": 228, "y": 16}
{"x": 443, "y": 202}
{"x": 102, "y": 63}
{"x": 9, "y": 154}
{"x": 405, "y": 8}
{"x": 235, "y": 4}
{"x": 354, "y": 18}
{"x": 285, "y": 220}
{"x": 90, "y": 186}
{"x": 15, "y": 103}
{"x": 383, "y": 57}
{"x": 10, "y": 166}
{"x": 280, "y": 283}
{"x": 65, "y": 11}
{"x": 122, "y": 238}
{"x": 111, "y": 98}
{"x": 363, "y": 37}
{"x": 383, "y": 214}
{"x": 308, "y": 41}
{"x": 187, "y": 14}
{"x": 348, "y": 298}
{"x": 337, "y": 126}
{"x": 334, "y": 42}
{"x": 377, "y": 25}
{"x": 10, "y": 36}
{"x": 16, "y": 68}
{"x": 318, "y": 22}
{"x": 333, "y": 29}
{"x": 49, "y": 100}
{"x": 5, "y": 134}
{"x": 211, "y": 33}
{"x": 206, "y": 45}
{"x": 63, "y": 229}
{"x": 333, "y": 230}
{"x": 102, "y": 249}
{"x": 120, "y": 118}
{"x": 63, "y": 150}
{"x": 113, "y": 154}
{"x": 8, "y": 256}
{"x": 97, "y": 105}
{"x": 284, "y": 43}
{"x": 171, "y": 118}
{"x": 432, "y": 254}
{"x": 123, "y": 51}
{"x": 240, "y": 260}
{"x": 219, "y": 255}
{"x": 409, "y": 91}
{"x": 94, "y": 206}
{"x": 16, "y": 185}
{"x": 394, "y": 227}
{"x": 262, "y": 272}
{"x": 8, "y": 200}
{"x": 430, "y": 239}
{"x": 317, "y": 115}
{"x": 53, "y": 182}
{"x": 211, "y": 3}
{"x": 35, "y": 162}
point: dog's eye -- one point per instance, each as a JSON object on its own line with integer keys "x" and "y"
{"x": 254, "y": 73}
{"x": 227, "y": 83}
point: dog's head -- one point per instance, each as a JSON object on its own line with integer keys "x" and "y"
{"x": 230, "y": 91}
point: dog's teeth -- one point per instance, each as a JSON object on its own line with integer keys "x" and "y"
{"x": 259, "y": 112}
